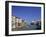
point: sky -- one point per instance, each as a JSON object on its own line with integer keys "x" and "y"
{"x": 27, "y": 13}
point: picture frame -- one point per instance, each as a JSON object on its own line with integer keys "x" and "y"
{"x": 11, "y": 6}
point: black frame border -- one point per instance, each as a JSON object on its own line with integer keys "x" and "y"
{"x": 7, "y": 17}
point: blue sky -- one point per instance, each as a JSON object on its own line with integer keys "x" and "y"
{"x": 27, "y": 13}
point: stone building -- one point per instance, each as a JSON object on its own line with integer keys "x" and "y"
{"x": 17, "y": 22}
